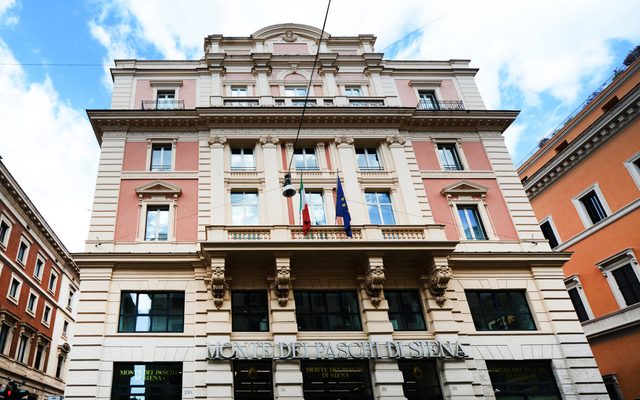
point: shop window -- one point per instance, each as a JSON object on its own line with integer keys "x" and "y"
{"x": 242, "y": 160}
{"x": 244, "y": 208}
{"x": 500, "y": 310}
{"x": 380, "y": 208}
{"x": 348, "y": 380}
{"x": 405, "y": 310}
{"x": 471, "y": 222}
{"x": 146, "y": 381}
{"x": 161, "y": 157}
{"x": 449, "y": 158}
{"x": 305, "y": 159}
{"x": 420, "y": 379}
{"x": 252, "y": 380}
{"x": 623, "y": 275}
{"x": 591, "y": 206}
{"x": 523, "y": 380}
{"x": 157, "y": 223}
{"x": 549, "y": 233}
{"x": 23, "y": 348}
{"x": 250, "y": 311}
{"x": 327, "y": 311}
{"x": 368, "y": 159}
{"x": 151, "y": 312}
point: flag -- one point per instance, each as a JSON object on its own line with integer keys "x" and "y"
{"x": 342, "y": 210}
{"x": 304, "y": 209}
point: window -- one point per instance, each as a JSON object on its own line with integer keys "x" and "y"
{"x": 593, "y": 207}
{"x": 305, "y": 159}
{"x": 295, "y": 91}
{"x": 632, "y": 165}
{"x": 249, "y": 311}
{"x": 130, "y": 381}
{"x": 523, "y": 380}
{"x": 65, "y": 328}
{"x": 32, "y": 303}
{"x": 244, "y": 208}
{"x": 161, "y": 157}
{"x": 500, "y": 310}
{"x": 626, "y": 278}
{"x": 613, "y": 387}
{"x": 352, "y": 91}
{"x": 623, "y": 275}
{"x": 242, "y": 159}
{"x": 471, "y": 222}
{"x": 21, "y": 354}
{"x": 14, "y": 289}
{"x": 5, "y": 230}
{"x": 449, "y": 158}
{"x": 368, "y": 159}
{"x": 59, "y": 366}
{"x": 576, "y": 300}
{"x": 379, "y": 206}
{"x": 5, "y": 330}
{"x": 52, "y": 282}
{"x": 427, "y": 100}
{"x": 151, "y": 312}
{"x": 46, "y": 315}
{"x": 549, "y": 233}
{"x": 157, "y": 223}
{"x": 420, "y": 379}
{"x": 405, "y": 310}
{"x": 252, "y": 380}
{"x": 70, "y": 299}
{"x": 38, "y": 269}
{"x": 239, "y": 91}
{"x": 327, "y": 311}
{"x": 37, "y": 363}
{"x": 316, "y": 208}
{"x": 165, "y": 99}
{"x": 23, "y": 251}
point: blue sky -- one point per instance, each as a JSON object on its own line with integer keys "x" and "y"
{"x": 542, "y": 57}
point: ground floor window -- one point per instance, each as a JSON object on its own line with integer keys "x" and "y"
{"x": 333, "y": 380}
{"x": 252, "y": 380}
{"x": 147, "y": 381}
{"x": 523, "y": 380}
{"x": 420, "y": 380}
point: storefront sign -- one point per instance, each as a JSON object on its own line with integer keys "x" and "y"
{"x": 336, "y": 350}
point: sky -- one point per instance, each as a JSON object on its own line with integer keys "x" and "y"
{"x": 543, "y": 57}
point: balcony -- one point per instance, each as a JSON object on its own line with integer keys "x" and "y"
{"x": 283, "y": 101}
{"x": 163, "y": 104}
{"x": 447, "y": 105}
{"x": 242, "y": 102}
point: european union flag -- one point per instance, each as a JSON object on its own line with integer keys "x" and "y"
{"x": 342, "y": 210}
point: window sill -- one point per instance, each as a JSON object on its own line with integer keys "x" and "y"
{"x": 13, "y": 300}
{"x": 20, "y": 263}
{"x": 32, "y": 314}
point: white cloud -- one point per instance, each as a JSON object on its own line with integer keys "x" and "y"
{"x": 512, "y": 136}
{"x": 49, "y": 148}
{"x": 6, "y": 18}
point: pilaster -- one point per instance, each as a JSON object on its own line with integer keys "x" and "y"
{"x": 272, "y": 190}
{"x": 350, "y": 183}
{"x": 405, "y": 182}
{"x": 218, "y": 191}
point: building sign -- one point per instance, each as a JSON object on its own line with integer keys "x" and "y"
{"x": 336, "y": 350}
{"x": 130, "y": 380}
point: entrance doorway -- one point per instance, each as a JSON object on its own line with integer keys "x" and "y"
{"x": 333, "y": 380}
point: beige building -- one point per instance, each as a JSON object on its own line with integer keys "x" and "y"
{"x": 198, "y": 281}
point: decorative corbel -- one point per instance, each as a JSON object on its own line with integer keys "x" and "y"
{"x": 221, "y": 140}
{"x": 374, "y": 280}
{"x": 396, "y": 139}
{"x": 282, "y": 283}
{"x": 218, "y": 281}
{"x": 439, "y": 277}
{"x": 268, "y": 140}
{"x": 344, "y": 139}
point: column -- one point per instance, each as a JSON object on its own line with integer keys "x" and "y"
{"x": 261, "y": 70}
{"x": 287, "y": 377}
{"x": 387, "y": 378}
{"x": 272, "y": 189}
{"x": 217, "y": 72}
{"x": 219, "y": 375}
{"x": 218, "y": 191}
{"x": 405, "y": 182}
{"x": 350, "y": 183}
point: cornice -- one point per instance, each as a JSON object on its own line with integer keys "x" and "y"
{"x": 286, "y": 117}
{"x": 591, "y": 139}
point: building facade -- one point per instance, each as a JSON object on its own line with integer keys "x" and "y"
{"x": 198, "y": 281}
{"x": 38, "y": 289}
{"x": 584, "y": 186}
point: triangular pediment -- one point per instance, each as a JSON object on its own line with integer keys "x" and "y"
{"x": 156, "y": 188}
{"x": 465, "y": 187}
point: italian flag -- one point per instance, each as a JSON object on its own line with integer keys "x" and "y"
{"x": 304, "y": 210}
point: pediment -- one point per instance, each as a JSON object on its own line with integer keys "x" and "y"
{"x": 465, "y": 188}
{"x": 290, "y": 32}
{"x": 161, "y": 188}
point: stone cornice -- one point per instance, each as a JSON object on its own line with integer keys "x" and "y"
{"x": 592, "y": 138}
{"x": 286, "y": 117}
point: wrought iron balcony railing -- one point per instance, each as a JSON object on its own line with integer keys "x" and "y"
{"x": 163, "y": 104}
{"x": 440, "y": 105}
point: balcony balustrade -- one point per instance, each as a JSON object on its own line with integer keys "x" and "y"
{"x": 447, "y": 105}
{"x": 163, "y": 104}
{"x": 295, "y": 102}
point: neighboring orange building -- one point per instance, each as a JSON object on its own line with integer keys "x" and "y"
{"x": 584, "y": 185}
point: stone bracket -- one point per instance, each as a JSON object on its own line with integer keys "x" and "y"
{"x": 438, "y": 279}
{"x": 282, "y": 282}
{"x": 218, "y": 280}
{"x": 374, "y": 280}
